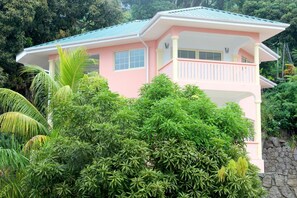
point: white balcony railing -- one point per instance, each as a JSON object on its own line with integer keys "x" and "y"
{"x": 212, "y": 71}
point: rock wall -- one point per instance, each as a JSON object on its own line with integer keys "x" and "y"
{"x": 280, "y": 161}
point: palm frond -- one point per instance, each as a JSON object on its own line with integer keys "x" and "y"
{"x": 11, "y": 186}
{"x": 12, "y": 159}
{"x": 43, "y": 87}
{"x": 35, "y": 142}
{"x": 15, "y": 102}
{"x": 19, "y": 123}
{"x": 31, "y": 69}
{"x": 63, "y": 94}
{"x": 72, "y": 65}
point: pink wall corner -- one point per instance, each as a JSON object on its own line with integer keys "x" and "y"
{"x": 152, "y": 59}
{"x": 249, "y": 108}
{"x": 53, "y": 57}
{"x": 243, "y": 53}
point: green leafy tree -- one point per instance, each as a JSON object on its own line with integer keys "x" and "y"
{"x": 15, "y": 18}
{"x": 29, "y": 121}
{"x": 171, "y": 142}
{"x": 23, "y": 117}
{"x": 280, "y": 109}
{"x": 3, "y": 77}
{"x": 60, "y": 18}
{"x": 37, "y": 21}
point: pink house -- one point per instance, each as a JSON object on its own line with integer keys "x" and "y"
{"x": 216, "y": 50}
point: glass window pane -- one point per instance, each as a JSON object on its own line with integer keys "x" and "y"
{"x": 202, "y": 55}
{"x": 136, "y": 58}
{"x": 121, "y": 60}
{"x": 217, "y": 56}
{"x": 210, "y": 55}
{"x": 94, "y": 65}
{"x": 186, "y": 54}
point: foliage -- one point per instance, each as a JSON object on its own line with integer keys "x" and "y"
{"x": 280, "y": 109}
{"x": 293, "y": 142}
{"x": 171, "y": 142}
{"x": 29, "y": 121}
{"x": 3, "y": 77}
{"x": 24, "y": 118}
{"x": 12, "y": 162}
{"x": 143, "y": 9}
{"x": 35, "y": 22}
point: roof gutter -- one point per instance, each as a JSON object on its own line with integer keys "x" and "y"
{"x": 147, "y": 57}
{"x": 74, "y": 44}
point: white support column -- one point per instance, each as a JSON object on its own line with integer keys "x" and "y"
{"x": 174, "y": 56}
{"x": 258, "y": 133}
{"x": 257, "y": 62}
{"x": 51, "y": 68}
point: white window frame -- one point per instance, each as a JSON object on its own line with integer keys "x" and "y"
{"x": 129, "y": 59}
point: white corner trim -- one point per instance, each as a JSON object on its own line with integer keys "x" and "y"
{"x": 20, "y": 55}
{"x": 269, "y": 51}
{"x": 272, "y": 84}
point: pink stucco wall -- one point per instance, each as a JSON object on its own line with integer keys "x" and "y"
{"x": 126, "y": 82}
{"x": 249, "y": 108}
{"x": 243, "y": 53}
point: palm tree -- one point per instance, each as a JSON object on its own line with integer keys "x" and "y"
{"x": 25, "y": 118}
{"x": 30, "y": 120}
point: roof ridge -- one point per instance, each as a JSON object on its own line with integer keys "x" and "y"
{"x": 219, "y": 11}
{"x": 239, "y": 14}
{"x": 89, "y": 32}
{"x": 182, "y": 9}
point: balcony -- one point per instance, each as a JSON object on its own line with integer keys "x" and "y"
{"x": 196, "y": 71}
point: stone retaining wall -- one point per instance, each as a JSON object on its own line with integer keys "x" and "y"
{"x": 280, "y": 161}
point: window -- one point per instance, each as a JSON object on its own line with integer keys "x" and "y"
{"x": 245, "y": 60}
{"x": 210, "y": 55}
{"x": 195, "y": 54}
{"x": 186, "y": 54}
{"x": 93, "y": 67}
{"x": 129, "y": 59}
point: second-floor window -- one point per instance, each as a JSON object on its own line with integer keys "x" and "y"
{"x": 200, "y": 54}
{"x": 129, "y": 59}
{"x": 94, "y": 67}
{"x": 210, "y": 55}
{"x": 245, "y": 60}
{"x": 186, "y": 54}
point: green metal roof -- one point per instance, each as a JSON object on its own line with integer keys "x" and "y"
{"x": 136, "y": 27}
{"x": 124, "y": 29}
{"x": 220, "y": 15}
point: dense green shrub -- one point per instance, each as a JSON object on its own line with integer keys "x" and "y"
{"x": 171, "y": 142}
{"x": 3, "y": 77}
{"x": 279, "y": 109}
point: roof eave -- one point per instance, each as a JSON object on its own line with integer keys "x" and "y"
{"x": 269, "y": 51}
{"x": 78, "y": 43}
{"x": 269, "y": 82}
{"x": 163, "y": 15}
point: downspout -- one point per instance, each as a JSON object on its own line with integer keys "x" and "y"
{"x": 147, "y": 57}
